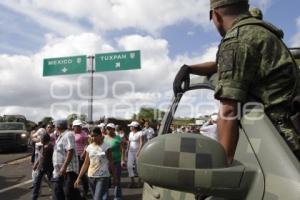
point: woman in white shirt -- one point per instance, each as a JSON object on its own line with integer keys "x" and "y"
{"x": 98, "y": 161}
{"x": 135, "y": 143}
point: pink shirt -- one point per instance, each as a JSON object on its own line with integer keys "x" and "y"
{"x": 80, "y": 140}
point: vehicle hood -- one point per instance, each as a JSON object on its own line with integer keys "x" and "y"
{"x": 11, "y": 131}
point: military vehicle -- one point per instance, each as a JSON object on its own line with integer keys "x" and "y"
{"x": 18, "y": 118}
{"x": 188, "y": 166}
{"x": 13, "y": 135}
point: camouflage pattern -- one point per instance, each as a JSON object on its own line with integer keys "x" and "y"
{"x": 218, "y": 3}
{"x": 271, "y": 171}
{"x": 179, "y": 161}
{"x": 253, "y": 63}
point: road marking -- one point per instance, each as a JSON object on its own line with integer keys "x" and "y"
{"x": 15, "y": 186}
{"x": 18, "y": 161}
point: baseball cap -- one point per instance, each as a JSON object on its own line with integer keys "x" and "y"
{"x": 77, "y": 122}
{"x": 111, "y": 125}
{"x": 219, "y": 3}
{"x": 101, "y": 125}
{"x": 134, "y": 124}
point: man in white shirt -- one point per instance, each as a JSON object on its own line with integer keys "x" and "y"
{"x": 148, "y": 132}
{"x": 65, "y": 163}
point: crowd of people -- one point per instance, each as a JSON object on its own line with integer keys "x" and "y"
{"x": 83, "y": 161}
{"x": 208, "y": 128}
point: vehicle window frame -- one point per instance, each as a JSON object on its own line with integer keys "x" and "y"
{"x": 169, "y": 115}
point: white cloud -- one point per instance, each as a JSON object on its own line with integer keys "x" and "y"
{"x": 190, "y": 33}
{"x": 262, "y": 4}
{"x": 296, "y": 37}
{"x": 54, "y": 24}
{"x": 104, "y": 15}
{"x": 25, "y": 91}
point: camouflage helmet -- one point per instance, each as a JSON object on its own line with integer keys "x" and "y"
{"x": 256, "y": 12}
{"x": 218, "y": 3}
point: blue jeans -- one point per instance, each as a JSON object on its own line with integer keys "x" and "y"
{"x": 118, "y": 189}
{"x": 63, "y": 187}
{"x": 37, "y": 182}
{"x": 99, "y": 187}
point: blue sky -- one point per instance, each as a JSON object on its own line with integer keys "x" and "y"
{"x": 22, "y": 35}
{"x": 168, "y": 35}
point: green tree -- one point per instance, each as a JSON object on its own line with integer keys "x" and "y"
{"x": 83, "y": 117}
{"x": 74, "y": 116}
{"x": 150, "y": 114}
{"x": 71, "y": 118}
{"x": 30, "y": 125}
{"x": 46, "y": 120}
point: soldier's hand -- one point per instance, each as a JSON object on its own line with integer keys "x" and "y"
{"x": 182, "y": 76}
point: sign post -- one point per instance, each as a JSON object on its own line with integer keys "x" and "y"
{"x": 117, "y": 61}
{"x": 90, "y": 103}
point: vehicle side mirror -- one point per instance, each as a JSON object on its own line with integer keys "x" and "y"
{"x": 190, "y": 163}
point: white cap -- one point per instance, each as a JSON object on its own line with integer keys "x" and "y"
{"x": 77, "y": 122}
{"x": 134, "y": 124}
{"x": 101, "y": 125}
{"x": 111, "y": 125}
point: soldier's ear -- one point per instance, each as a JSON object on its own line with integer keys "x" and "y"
{"x": 218, "y": 17}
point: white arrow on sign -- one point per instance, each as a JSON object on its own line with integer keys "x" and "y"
{"x": 64, "y": 70}
{"x": 118, "y": 65}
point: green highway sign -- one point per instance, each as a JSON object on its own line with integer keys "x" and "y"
{"x": 64, "y": 65}
{"x": 125, "y": 60}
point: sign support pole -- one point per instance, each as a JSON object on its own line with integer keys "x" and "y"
{"x": 91, "y": 70}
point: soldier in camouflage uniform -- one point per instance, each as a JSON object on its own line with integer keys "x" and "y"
{"x": 252, "y": 63}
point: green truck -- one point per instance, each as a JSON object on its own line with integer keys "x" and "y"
{"x": 13, "y": 135}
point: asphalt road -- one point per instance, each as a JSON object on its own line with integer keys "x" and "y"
{"x": 7, "y": 156}
{"x": 15, "y": 179}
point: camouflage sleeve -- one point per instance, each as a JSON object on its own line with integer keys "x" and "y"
{"x": 237, "y": 66}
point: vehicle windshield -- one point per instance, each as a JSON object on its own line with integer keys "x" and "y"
{"x": 196, "y": 113}
{"x": 11, "y": 126}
